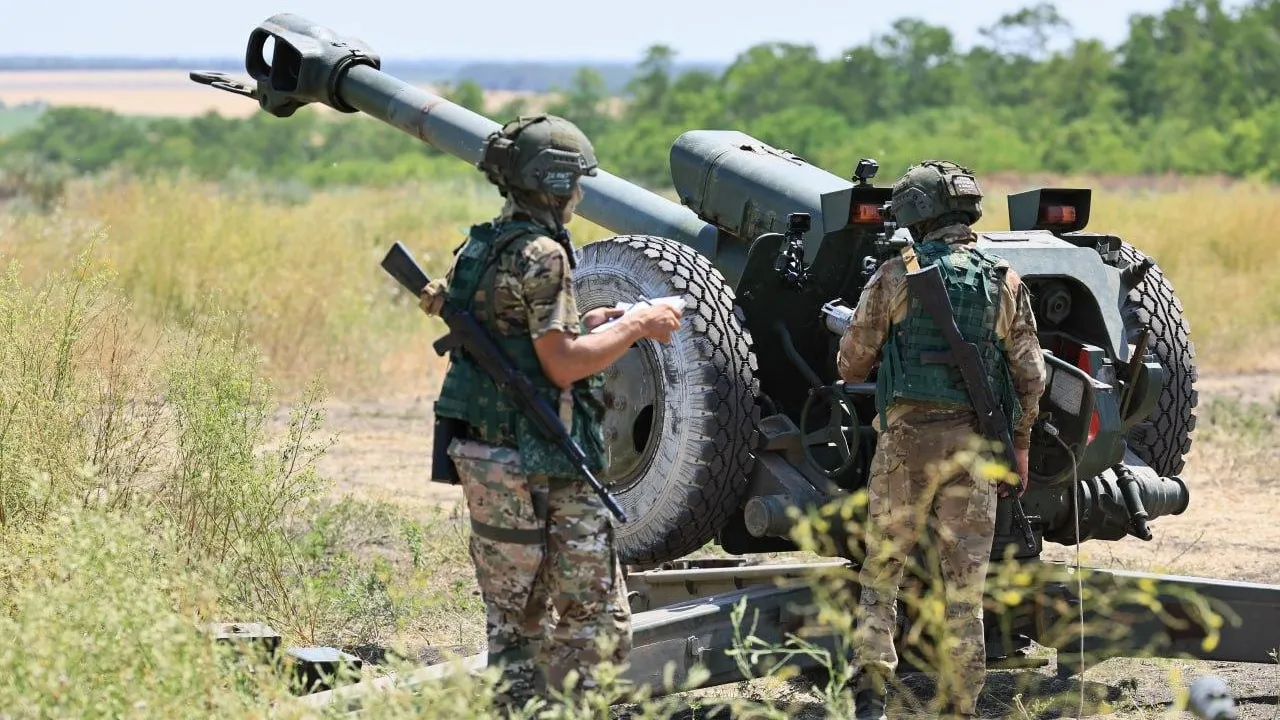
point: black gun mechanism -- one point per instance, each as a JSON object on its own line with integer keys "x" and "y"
{"x": 789, "y": 264}
{"x": 885, "y": 245}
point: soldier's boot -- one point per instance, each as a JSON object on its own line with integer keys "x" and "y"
{"x": 868, "y": 704}
{"x": 869, "y": 699}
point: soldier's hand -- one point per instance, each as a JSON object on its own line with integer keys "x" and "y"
{"x": 1024, "y": 466}
{"x": 657, "y": 321}
{"x": 595, "y": 318}
{"x": 432, "y": 298}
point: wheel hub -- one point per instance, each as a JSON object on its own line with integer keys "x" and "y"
{"x": 633, "y": 413}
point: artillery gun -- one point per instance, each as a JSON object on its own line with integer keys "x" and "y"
{"x": 714, "y": 436}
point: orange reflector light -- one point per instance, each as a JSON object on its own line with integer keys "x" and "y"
{"x": 1083, "y": 362}
{"x": 864, "y": 213}
{"x": 1058, "y": 214}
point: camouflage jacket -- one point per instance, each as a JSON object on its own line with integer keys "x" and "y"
{"x": 884, "y": 302}
{"x": 523, "y": 289}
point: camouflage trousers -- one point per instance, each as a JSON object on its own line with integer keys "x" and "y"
{"x": 918, "y": 493}
{"x": 539, "y": 544}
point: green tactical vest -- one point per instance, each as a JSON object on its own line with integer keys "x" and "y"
{"x": 470, "y": 395}
{"x": 973, "y": 285}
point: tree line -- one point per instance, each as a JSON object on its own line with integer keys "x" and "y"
{"x": 1194, "y": 89}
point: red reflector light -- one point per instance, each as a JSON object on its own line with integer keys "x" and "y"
{"x": 1058, "y": 214}
{"x": 865, "y": 213}
{"x": 1082, "y": 362}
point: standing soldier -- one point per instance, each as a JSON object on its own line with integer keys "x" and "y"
{"x": 926, "y": 417}
{"x": 539, "y": 534}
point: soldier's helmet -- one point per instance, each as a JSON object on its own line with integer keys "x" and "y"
{"x": 933, "y": 189}
{"x": 540, "y": 153}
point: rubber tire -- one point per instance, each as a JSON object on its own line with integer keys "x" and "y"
{"x": 696, "y": 477}
{"x": 1164, "y": 439}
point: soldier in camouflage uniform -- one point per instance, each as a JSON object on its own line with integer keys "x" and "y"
{"x": 541, "y": 538}
{"x": 926, "y": 417}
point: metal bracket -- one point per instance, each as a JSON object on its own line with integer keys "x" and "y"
{"x": 694, "y": 648}
{"x": 223, "y": 81}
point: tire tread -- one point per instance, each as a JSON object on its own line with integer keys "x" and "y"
{"x": 1164, "y": 439}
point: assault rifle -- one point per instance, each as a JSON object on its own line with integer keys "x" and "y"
{"x": 467, "y": 334}
{"x": 926, "y": 285}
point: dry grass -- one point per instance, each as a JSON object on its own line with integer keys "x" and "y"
{"x": 307, "y": 276}
{"x": 306, "y": 271}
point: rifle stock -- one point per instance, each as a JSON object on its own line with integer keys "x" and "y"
{"x": 926, "y": 285}
{"x": 466, "y": 333}
{"x": 400, "y": 265}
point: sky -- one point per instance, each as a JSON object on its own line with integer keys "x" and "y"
{"x": 699, "y": 30}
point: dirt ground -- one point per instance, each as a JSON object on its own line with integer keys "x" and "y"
{"x": 1229, "y": 532}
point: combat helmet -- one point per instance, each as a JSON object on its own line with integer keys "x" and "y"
{"x": 537, "y": 154}
{"x": 934, "y": 189}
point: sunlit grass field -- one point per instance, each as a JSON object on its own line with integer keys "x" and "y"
{"x": 303, "y": 267}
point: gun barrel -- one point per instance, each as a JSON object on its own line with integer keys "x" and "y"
{"x": 310, "y": 63}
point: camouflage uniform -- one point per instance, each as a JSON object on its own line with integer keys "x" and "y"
{"x": 541, "y": 540}
{"x": 912, "y": 490}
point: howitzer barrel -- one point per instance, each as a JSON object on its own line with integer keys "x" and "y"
{"x": 310, "y": 63}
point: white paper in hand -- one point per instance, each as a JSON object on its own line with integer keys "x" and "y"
{"x": 676, "y": 301}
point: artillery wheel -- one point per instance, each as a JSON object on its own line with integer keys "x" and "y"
{"x": 680, "y": 416}
{"x": 1162, "y": 440}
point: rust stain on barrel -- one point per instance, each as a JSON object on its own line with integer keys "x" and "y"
{"x": 426, "y": 110}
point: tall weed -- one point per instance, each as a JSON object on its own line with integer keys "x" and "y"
{"x": 62, "y": 425}
{"x": 143, "y": 498}
{"x": 101, "y": 619}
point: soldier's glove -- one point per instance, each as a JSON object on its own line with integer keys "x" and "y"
{"x": 432, "y": 299}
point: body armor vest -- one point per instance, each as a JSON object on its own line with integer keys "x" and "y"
{"x": 973, "y": 285}
{"x": 469, "y": 394}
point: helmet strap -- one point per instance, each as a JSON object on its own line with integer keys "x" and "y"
{"x": 562, "y": 237}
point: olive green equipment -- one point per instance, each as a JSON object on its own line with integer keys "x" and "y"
{"x": 542, "y": 153}
{"x": 933, "y": 191}
{"x": 466, "y": 334}
{"x": 926, "y": 286}
{"x": 724, "y": 434}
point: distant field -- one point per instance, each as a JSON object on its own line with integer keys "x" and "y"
{"x": 148, "y": 92}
